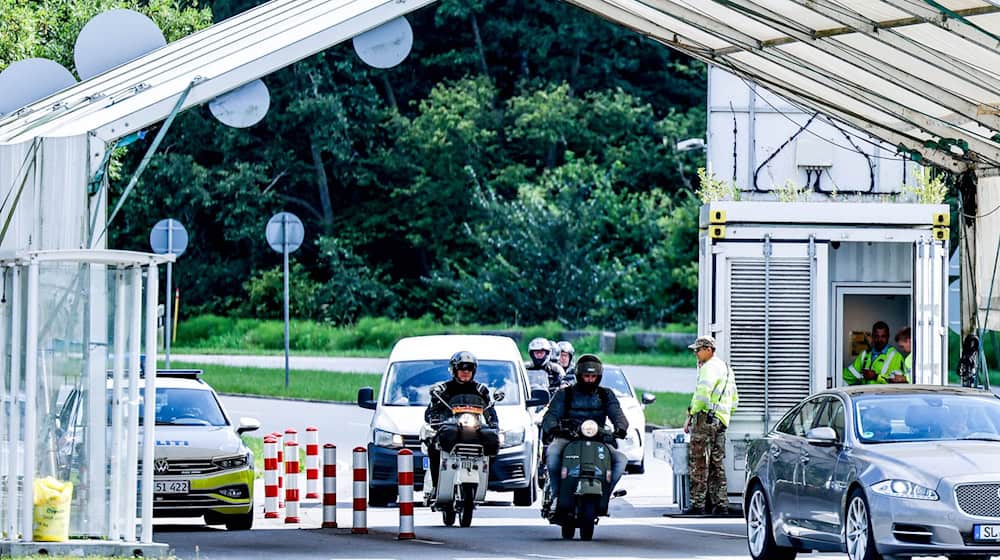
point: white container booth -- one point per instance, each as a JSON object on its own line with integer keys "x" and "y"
{"x": 790, "y": 290}
{"x": 78, "y": 322}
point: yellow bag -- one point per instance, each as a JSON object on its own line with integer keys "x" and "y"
{"x": 52, "y": 505}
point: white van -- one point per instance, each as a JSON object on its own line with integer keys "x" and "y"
{"x": 415, "y": 366}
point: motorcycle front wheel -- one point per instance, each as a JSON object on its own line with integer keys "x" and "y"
{"x": 568, "y": 530}
{"x": 468, "y": 503}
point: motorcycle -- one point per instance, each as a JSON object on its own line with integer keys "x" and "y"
{"x": 585, "y": 487}
{"x": 463, "y": 474}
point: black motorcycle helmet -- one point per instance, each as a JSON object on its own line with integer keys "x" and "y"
{"x": 463, "y": 358}
{"x": 588, "y": 364}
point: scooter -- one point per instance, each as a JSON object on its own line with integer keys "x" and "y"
{"x": 463, "y": 474}
{"x": 585, "y": 487}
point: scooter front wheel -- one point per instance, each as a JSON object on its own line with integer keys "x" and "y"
{"x": 588, "y": 519}
{"x": 568, "y": 530}
{"x": 468, "y": 504}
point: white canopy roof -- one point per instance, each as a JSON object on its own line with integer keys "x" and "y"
{"x": 920, "y": 74}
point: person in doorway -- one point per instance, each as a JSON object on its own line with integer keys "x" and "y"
{"x": 712, "y": 405}
{"x": 877, "y": 364}
{"x": 905, "y": 344}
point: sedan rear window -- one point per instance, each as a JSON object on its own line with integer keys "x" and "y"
{"x": 882, "y": 418}
{"x": 410, "y": 383}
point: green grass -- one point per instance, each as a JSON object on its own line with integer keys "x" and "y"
{"x": 669, "y": 410}
{"x": 303, "y": 384}
{"x": 349, "y": 353}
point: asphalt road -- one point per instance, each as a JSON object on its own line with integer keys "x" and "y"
{"x": 668, "y": 379}
{"x": 636, "y": 529}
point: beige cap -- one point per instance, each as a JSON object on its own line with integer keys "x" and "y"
{"x": 703, "y": 341}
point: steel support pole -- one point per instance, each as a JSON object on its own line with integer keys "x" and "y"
{"x": 132, "y": 433}
{"x": 13, "y": 466}
{"x": 30, "y": 402}
{"x": 284, "y": 255}
{"x": 168, "y": 317}
{"x": 149, "y": 411}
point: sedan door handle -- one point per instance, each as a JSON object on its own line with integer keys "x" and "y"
{"x": 804, "y": 459}
{"x": 775, "y": 451}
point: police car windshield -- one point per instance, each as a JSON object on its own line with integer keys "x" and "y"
{"x": 181, "y": 407}
{"x": 615, "y": 380}
{"x": 410, "y": 383}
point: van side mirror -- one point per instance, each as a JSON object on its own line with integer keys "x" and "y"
{"x": 366, "y": 398}
{"x": 648, "y": 398}
{"x": 823, "y": 436}
{"x": 539, "y": 397}
{"x": 499, "y": 396}
{"x": 247, "y": 424}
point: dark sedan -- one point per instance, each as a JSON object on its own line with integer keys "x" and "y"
{"x": 878, "y": 471}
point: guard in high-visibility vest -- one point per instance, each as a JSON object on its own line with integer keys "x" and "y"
{"x": 905, "y": 344}
{"x": 878, "y": 364}
{"x": 712, "y": 405}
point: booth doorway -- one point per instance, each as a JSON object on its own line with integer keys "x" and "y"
{"x": 858, "y": 308}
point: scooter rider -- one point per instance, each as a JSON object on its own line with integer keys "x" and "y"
{"x": 540, "y": 351}
{"x": 463, "y": 367}
{"x": 585, "y": 400}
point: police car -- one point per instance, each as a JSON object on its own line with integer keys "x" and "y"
{"x": 201, "y": 466}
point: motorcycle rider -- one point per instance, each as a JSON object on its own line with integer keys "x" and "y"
{"x": 566, "y": 353}
{"x": 586, "y": 400}
{"x": 540, "y": 351}
{"x": 463, "y": 367}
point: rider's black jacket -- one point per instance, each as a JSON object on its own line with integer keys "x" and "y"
{"x": 442, "y": 393}
{"x": 578, "y": 405}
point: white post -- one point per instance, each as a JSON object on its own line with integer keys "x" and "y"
{"x": 8, "y": 492}
{"x": 13, "y": 465}
{"x": 149, "y": 411}
{"x": 114, "y": 507}
{"x": 168, "y": 319}
{"x": 132, "y": 435}
{"x": 30, "y": 386}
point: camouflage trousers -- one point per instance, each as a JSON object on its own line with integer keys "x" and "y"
{"x": 707, "y": 463}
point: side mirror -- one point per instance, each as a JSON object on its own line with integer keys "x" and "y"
{"x": 499, "y": 396}
{"x": 366, "y": 398}
{"x": 648, "y": 398}
{"x": 247, "y": 424}
{"x": 539, "y": 397}
{"x": 823, "y": 436}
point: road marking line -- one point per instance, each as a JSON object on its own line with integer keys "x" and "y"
{"x": 702, "y": 531}
{"x": 545, "y": 556}
{"x": 425, "y": 541}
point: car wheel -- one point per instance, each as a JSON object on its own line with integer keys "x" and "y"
{"x": 859, "y": 536}
{"x": 760, "y": 532}
{"x": 240, "y": 522}
{"x": 380, "y": 497}
{"x": 636, "y": 469}
{"x": 526, "y": 496}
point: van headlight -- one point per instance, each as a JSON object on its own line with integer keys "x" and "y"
{"x": 904, "y": 489}
{"x": 233, "y": 462}
{"x": 510, "y": 438}
{"x": 383, "y": 438}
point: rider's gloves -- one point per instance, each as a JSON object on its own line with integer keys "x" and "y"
{"x": 620, "y": 434}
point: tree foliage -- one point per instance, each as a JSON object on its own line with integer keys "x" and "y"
{"x": 518, "y": 136}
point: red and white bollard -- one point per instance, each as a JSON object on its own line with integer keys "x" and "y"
{"x": 360, "y": 491}
{"x": 292, "y": 491}
{"x": 291, "y": 435}
{"x": 270, "y": 478}
{"x": 312, "y": 462}
{"x": 405, "y": 468}
{"x": 329, "y": 485}
{"x": 279, "y": 440}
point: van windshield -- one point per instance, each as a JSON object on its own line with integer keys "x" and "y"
{"x": 410, "y": 383}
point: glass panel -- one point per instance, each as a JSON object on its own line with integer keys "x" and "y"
{"x": 410, "y": 383}
{"x": 888, "y": 418}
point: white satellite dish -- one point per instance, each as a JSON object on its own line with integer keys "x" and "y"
{"x": 387, "y": 45}
{"x": 27, "y": 81}
{"x": 242, "y": 107}
{"x": 113, "y": 38}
